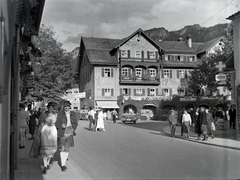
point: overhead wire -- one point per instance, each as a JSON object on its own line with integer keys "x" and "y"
{"x": 217, "y": 13}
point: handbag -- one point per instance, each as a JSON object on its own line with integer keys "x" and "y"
{"x": 68, "y": 131}
{"x": 213, "y": 126}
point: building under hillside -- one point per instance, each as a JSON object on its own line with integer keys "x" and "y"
{"x": 136, "y": 72}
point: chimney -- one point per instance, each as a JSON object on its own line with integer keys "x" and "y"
{"x": 189, "y": 41}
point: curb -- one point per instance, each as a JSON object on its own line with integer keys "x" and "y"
{"x": 206, "y": 143}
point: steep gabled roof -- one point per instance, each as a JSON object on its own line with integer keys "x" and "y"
{"x": 98, "y": 50}
{"x": 140, "y": 32}
{"x": 234, "y": 16}
{"x": 180, "y": 47}
{"x": 208, "y": 45}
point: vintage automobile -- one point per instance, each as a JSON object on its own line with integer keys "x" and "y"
{"x": 129, "y": 117}
{"x": 83, "y": 114}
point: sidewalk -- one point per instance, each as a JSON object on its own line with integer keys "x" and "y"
{"x": 223, "y": 137}
{"x": 31, "y": 168}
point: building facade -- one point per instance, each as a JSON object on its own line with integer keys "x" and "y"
{"x": 135, "y": 72}
{"x": 19, "y": 24}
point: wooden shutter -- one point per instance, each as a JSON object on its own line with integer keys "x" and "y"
{"x": 120, "y": 53}
{"x": 170, "y": 73}
{"x": 178, "y": 74}
{"x": 129, "y": 55}
{"x": 129, "y": 90}
{"x": 156, "y": 54}
{"x": 111, "y": 72}
{"x": 121, "y": 91}
{"x": 111, "y": 92}
{"x": 134, "y": 91}
{"x": 102, "y": 72}
{"x": 143, "y": 54}
{"x": 162, "y": 73}
{"x": 185, "y": 74}
{"x": 143, "y": 92}
{"x": 148, "y": 91}
{"x": 102, "y": 92}
{"x": 170, "y": 92}
{"x": 148, "y": 55}
{"x": 156, "y": 91}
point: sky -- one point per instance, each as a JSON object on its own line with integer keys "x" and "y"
{"x": 117, "y": 19}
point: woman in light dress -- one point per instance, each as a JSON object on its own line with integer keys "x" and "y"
{"x": 186, "y": 121}
{"x": 100, "y": 120}
{"x": 48, "y": 134}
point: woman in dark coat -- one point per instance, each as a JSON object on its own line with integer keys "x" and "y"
{"x": 201, "y": 124}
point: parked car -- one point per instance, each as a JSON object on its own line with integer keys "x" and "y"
{"x": 129, "y": 117}
{"x": 83, "y": 114}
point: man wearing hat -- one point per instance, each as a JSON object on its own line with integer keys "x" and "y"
{"x": 172, "y": 118}
{"x": 66, "y": 124}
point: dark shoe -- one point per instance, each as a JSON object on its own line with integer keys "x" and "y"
{"x": 48, "y": 167}
{"x": 44, "y": 170}
{"x": 64, "y": 168}
{"x": 21, "y": 147}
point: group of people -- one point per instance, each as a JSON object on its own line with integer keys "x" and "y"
{"x": 202, "y": 119}
{"x": 97, "y": 117}
{"x": 55, "y": 131}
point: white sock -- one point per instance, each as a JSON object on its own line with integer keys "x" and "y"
{"x": 45, "y": 161}
{"x": 64, "y": 156}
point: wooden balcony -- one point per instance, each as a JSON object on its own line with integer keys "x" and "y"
{"x": 139, "y": 80}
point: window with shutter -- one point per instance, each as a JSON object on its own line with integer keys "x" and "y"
{"x": 170, "y": 73}
{"x": 143, "y": 92}
{"x": 142, "y": 54}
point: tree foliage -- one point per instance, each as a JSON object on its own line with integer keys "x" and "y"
{"x": 204, "y": 75}
{"x": 54, "y": 72}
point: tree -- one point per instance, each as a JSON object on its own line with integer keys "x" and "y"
{"x": 53, "y": 72}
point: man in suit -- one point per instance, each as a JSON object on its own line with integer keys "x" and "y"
{"x": 232, "y": 114}
{"x": 66, "y": 124}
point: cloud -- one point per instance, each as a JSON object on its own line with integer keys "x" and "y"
{"x": 71, "y": 19}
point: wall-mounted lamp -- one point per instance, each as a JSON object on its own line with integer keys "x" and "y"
{"x": 34, "y": 37}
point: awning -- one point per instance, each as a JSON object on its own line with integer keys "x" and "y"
{"x": 107, "y": 104}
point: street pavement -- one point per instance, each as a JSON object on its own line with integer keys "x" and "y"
{"x": 139, "y": 151}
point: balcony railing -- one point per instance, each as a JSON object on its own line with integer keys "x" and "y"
{"x": 140, "y": 80}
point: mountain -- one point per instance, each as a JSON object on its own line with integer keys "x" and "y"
{"x": 198, "y": 33}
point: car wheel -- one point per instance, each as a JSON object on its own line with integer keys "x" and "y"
{"x": 124, "y": 122}
{"x": 134, "y": 122}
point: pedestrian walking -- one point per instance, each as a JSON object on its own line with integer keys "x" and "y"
{"x": 232, "y": 114}
{"x": 48, "y": 145}
{"x": 201, "y": 125}
{"x": 210, "y": 122}
{"x": 23, "y": 120}
{"x": 186, "y": 123}
{"x": 114, "y": 116}
{"x": 109, "y": 116}
{"x": 100, "y": 121}
{"x": 32, "y": 124}
{"x": 172, "y": 118}
{"x": 66, "y": 124}
{"x": 91, "y": 118}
